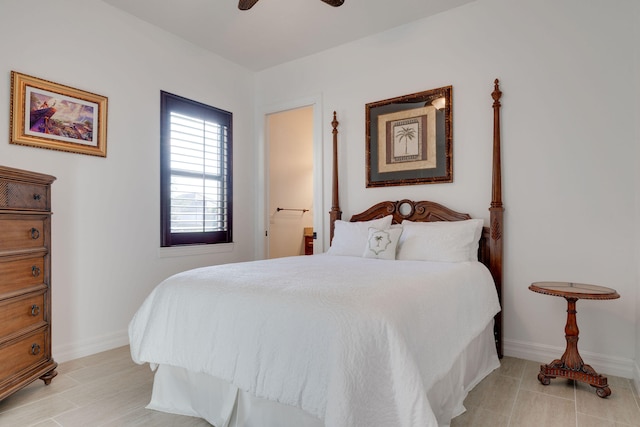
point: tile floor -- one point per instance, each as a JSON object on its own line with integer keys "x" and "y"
{"x": 512, "y": 396}
{"x": 108, "y": 389}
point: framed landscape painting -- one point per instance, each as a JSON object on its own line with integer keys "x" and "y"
{"x": 57, "y": 117}
{"x": 409, "y": 139}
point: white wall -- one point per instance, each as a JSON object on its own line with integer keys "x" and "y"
{"x": 290, "y": 180}
{"x": 106, "y": 210}
{"x": 568, "y": 148}
{"x": 637, "y": 219}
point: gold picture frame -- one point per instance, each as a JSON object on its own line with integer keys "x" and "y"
{"x": 49, "y": 115}
{"x": 409, "y": 139}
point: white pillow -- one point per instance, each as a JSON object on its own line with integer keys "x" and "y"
{"x": 447, "y": 241}
{"x": 349, "y": 238}
{"x": 382, "y": 244}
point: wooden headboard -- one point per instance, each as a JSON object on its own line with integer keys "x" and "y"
{"x": 490, "y": 248}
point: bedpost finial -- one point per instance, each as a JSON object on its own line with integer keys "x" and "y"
{"x": 334, "y": 123}
{"x": 496, "y": 94}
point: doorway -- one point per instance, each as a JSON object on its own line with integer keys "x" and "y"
{"x": 290, "y": 178}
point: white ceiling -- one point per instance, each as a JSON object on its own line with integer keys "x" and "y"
{"x": 277, "y": 31}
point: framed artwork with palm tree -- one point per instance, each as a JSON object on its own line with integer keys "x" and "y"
{"x": 409, "y": 139}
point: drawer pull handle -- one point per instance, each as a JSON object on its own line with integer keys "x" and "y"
{"x": 35, "y": 270}
{"x": 35, "y": 233}
{"x": 36, "y": 197}
{"x": 35, "y": 310}
{"x": 35, "y": 349}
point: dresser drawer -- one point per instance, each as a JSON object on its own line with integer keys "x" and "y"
{"x": 18, "y": 274}
{"x": 21, "y": 195}
{"x": 19, "y": 355}
{"x": 20, "y": 313}
{"x": 21, "y": 232}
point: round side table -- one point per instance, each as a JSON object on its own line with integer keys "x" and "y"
{"x": 570, "y": 365}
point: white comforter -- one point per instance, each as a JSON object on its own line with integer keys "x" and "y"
{"x": 352, "y": 341}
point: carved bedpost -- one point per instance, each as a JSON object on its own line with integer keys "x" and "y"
{"x": 335, "y": 212}
{"x": 495, "y": 213}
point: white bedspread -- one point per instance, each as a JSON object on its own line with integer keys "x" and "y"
{"x": 352, "y": 341}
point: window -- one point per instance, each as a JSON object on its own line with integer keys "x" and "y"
{"x": 195, "y": 172}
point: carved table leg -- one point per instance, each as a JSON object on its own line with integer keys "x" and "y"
{"x": 571, "y": 365}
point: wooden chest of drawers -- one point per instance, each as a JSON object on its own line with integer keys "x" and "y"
{"x": 25, "y": 279}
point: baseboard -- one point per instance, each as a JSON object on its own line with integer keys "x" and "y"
{"x": 636, "y": 378}
{"x": 75, "y": 350}
{"x": 603, "y": 364}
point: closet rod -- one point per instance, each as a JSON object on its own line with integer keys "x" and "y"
{"x": 284, "y": 209}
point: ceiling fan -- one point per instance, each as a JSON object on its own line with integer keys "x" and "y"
{"x": 248, "y": 4}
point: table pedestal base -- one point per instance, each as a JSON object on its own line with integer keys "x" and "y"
{"x": 571, "y": 365}
{"x": 584, "y": 373}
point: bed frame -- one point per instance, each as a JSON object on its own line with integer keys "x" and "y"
{"x": 490, "y": 248}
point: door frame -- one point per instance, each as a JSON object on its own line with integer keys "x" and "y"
{"x": 262, "y": 175}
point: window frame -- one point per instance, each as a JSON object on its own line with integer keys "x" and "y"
{"x": 169, "y": 103}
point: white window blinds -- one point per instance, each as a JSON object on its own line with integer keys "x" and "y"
{"x": 198, "y": 178}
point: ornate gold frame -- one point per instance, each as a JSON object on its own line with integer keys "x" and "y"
{"x": 88, "y": 136}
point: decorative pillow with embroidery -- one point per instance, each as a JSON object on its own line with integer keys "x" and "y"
{"x": 382, "y": 244}
{"x": 446, "y": 241}
{"x": 350, "y": 237}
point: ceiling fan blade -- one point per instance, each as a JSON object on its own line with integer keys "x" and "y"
{"x": 334, "y": 3}
{"x": 246, "y": 4}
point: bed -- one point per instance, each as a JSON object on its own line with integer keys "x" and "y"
{"x": 392, "y": 326}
